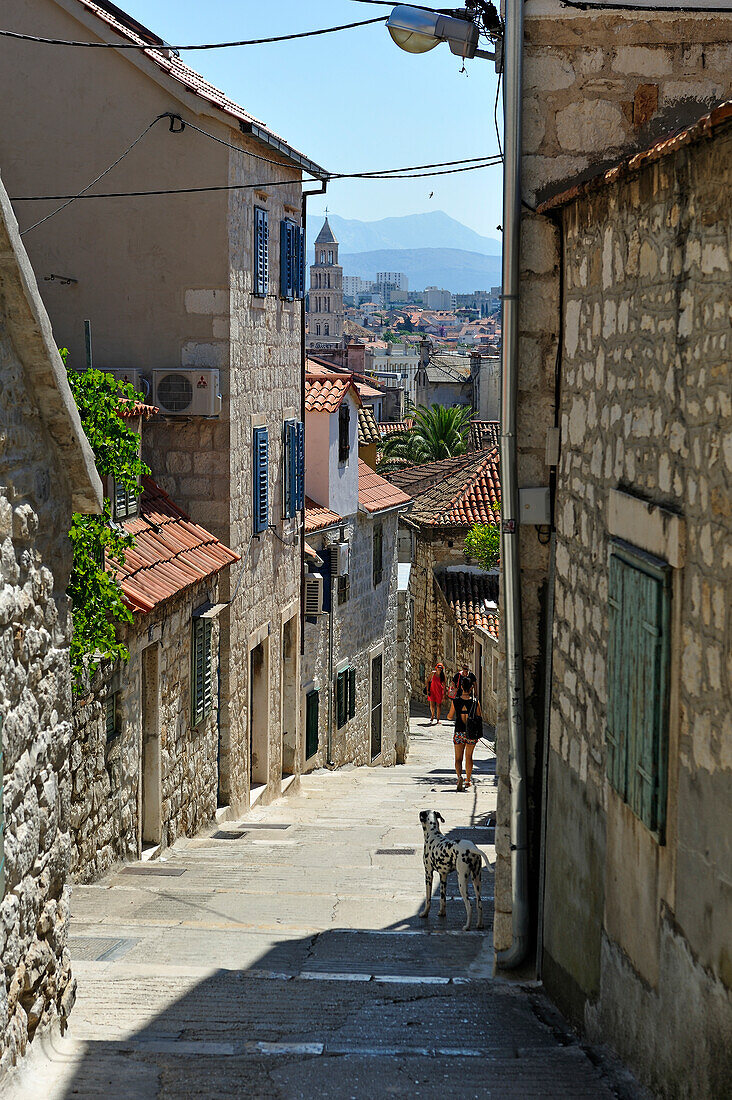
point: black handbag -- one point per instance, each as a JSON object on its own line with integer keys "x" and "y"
{"x": 474, "y": 723}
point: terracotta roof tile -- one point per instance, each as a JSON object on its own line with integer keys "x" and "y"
{"x": 317, "y": 517}
{"x": 368, "y": 429}
{"x": 473, "y": 599}
{"x": 463, "y": 497}
{"x": 324, "y": 392}
{"x": 170, "y": 553}
{"x": 483, "y": 433}
{"x": 375, "y": 493}
{"x": 415, "y": 479}
{"x": 396, "y": 426}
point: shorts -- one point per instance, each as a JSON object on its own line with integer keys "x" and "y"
{"x": 461, "y": 738}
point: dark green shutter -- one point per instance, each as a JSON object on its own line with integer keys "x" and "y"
{"x": 351, "y": 692}
{"x": 260, "y": 466}
{"x": 261, "y": 252}
{"x": 341, "y": 698}
{"x": 639, "y": 618}
{"x": 201, "y": 671}
{"x": 378, "y": 554}
{"x": 312, "y": 714}
{"x": 110, "y": 717}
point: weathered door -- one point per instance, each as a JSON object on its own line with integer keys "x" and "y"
{"x": 377, "y": 665}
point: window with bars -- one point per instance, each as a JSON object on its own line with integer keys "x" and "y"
{"x": 639, "y": 624}
{"x": 344, "y": 588}
{"x": 344, "y": 431}
{"x": 378, "y": 554}
{"x": 292, "y": 260}
{"x": 260, "y": 480}
{"x": 110, "y": 716}
{"x": 201, "y": 670}
{"x": 293, "y": 468}
{"x": 261, "y": 251}
{"x": 125, "y": 502}
{"x": 345, "y": 696}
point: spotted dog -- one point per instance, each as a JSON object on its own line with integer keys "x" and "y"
{"x": 444, "y": 855}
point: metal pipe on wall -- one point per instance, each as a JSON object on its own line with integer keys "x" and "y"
{"x": 510, "y": 520}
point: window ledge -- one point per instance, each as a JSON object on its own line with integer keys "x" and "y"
{"x": 647, "y": 526}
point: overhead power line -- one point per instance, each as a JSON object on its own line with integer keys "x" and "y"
{"x": 196, "y": 46}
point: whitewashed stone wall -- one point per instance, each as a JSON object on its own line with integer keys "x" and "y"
{"x": 646, "y": 407}
{"x": 104, "y": 813}
{"x": 36, "y": 986}
{"x": 596, "y": 86}
{"x": 366, "y": 621}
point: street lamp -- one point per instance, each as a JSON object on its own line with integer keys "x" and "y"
{"x": 417, "y": 31}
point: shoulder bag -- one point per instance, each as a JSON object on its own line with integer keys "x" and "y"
{"x": 474, "y": 723}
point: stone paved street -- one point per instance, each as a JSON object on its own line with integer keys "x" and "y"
{"x": 290, "y": 962}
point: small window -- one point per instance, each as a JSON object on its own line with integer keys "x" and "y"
{"x": 330, "y": 255}
{"x": 317, "y": 330}
{"x": 124, "y": 502}
{"x": 639, "y": 623}
{"x": 322, "y": 257}
{"x": 344, "y": 588}
{"x": 326, "y": 331}
{"x": 260, "y": 480}
{"x": 201, "y": 671}
{"x": 344, "y": 431}
{"x": 345, "y": 696}
{"x": 110, "y": 716}
{"x": 378, "y": 550}
{"x": 312, "y": 714}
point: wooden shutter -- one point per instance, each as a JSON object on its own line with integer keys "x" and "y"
{"x": 110, "y": 717}
{"x": 260, "y": 469}
{"x": 344, "y": 431}
{"x": 261, "y": 252}
{"x": 201, "y": 671}
{"x": 289, "y": 266}
{"x": 312, "y": 715}
{"x": 378, "y": 567}
{"x": 639, "y": 616}
{"x": 341, "y": 700}
{"x": 289, "y": 469}
{"x": 300, "y": 464}
{"x": 351, "y": 692}
{"x": 300, "y": 261}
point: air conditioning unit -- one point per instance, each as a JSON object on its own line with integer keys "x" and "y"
{"x": 187, "y": 392}
{"x": 313, "y": 594}
{"x": 339, "y": 558}
{"x": 139, "y": 380}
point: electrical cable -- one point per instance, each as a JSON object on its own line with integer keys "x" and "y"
{"x": 72, "y": 198}
{"x": 196, "y": 46}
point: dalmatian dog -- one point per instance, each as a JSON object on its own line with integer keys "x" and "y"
{"x": 444, "y": 855}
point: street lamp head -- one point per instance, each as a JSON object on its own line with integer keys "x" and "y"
{"x": 418, "y": 31}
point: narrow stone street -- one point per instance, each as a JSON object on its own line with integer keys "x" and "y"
{"x": 284, "y": 957}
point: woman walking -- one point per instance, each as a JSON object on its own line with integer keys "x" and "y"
{"x": 464, "y": 706}
{"x": 436, "y": 692}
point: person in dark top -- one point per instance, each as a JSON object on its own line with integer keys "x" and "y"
{"x": 462, "y": 705}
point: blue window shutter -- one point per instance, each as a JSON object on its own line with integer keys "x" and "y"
{"x": 300, "y": 462}
{"x": 300, "y": 263}
{"x": 261, "y": 252}
{"x": 292, "y": 460}
{"x": 285, "y": 287}
{"x": 260, "y": 466}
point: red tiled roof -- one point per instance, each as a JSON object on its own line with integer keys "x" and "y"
{"x": 170, "y": 553}
{"x": 375, "y": 493}
{"x": 324, "y": 392}
{"x": 417, "y": 478}
{"x": 317, "y": 517}
{"x": 128, "y": 412}
{"x": 177, "y": 69}
{"x": 703, "y": 127}
{"x": 397, "y": 426}
{"x": 465, "y": 496}
{"x": 368, "y": 429}
{"x": 483, "y": 433}
{"x": 469, "y": 596}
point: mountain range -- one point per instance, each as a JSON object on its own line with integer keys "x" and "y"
{"x": 451, "y": 268}
{"x": 433, "y": 230}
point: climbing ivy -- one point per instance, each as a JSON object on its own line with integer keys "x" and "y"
{"x": 96, "y": 595}
{"x": 483, "y": 543}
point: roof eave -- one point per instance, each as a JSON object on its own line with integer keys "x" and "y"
{"x": 273, "y": 142}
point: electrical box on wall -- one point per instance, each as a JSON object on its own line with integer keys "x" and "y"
{"x": 535, "y": 506}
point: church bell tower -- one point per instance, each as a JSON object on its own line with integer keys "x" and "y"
{"x": 325, "y": 313}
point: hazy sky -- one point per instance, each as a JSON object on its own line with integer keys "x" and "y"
{"x": 351, "y": 101}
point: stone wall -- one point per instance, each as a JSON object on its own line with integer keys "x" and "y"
{"x": 646, "y": 408}
{"x": 366, "y": 623}
{"x": 36, "y": 986}
{"x": 596, "y": 85}
{"x": 106, "y": 775}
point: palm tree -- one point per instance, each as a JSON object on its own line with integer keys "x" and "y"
{"x": 437, "y": 432}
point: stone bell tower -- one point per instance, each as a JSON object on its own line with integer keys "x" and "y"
{"x": 325, "y": 314}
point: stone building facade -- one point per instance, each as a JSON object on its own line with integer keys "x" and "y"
{"x": 596, "y": 85}
{"x": 646, "y": 469}
{"x": 145, "y": 757}
{"x": 46, "y": 473}
{"x": 209, "y": 305}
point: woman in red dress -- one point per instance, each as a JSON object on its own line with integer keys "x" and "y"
{"x": 436, "y": 692}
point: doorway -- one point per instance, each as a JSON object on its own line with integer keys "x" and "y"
{"x": 478, "y": 665}
{"x": 377, "y": 668}
{"x": 259, "y": 715}
{"x": 151, "y": 794}
{"x": 289, "y": 697}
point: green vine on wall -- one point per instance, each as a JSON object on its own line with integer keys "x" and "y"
{"x": 483, "y": 543}
{"x": 96, "y": 594}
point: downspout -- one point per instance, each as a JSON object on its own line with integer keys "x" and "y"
{"x": 304, "y": 208}
{"x": 512, "y": 71}
{"x": 331, "y": 693}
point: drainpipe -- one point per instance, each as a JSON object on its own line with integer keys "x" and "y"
{"x": 512, "y": 71}
{"x": 303, "y": 357}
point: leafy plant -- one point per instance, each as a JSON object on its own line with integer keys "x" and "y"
{"x": 436, "y": 432}
{"x": 96, "y": 595}
{"x": 483, "y": 543}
